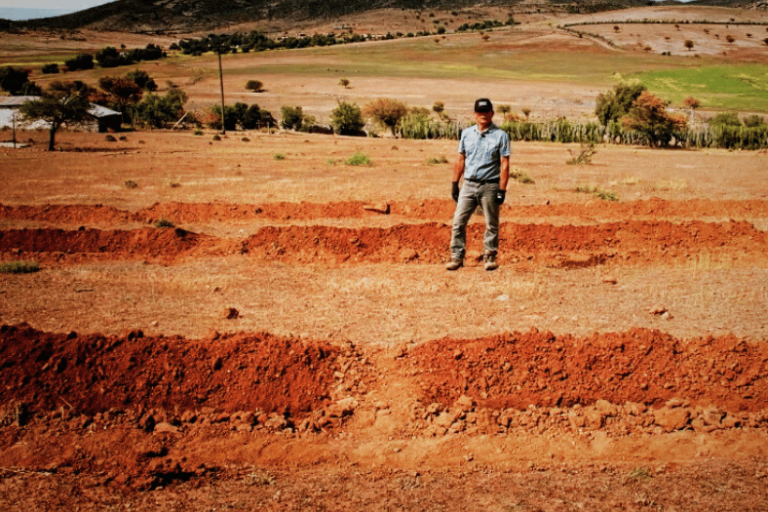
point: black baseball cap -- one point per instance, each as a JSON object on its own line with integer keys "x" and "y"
{"x": 483, "y": 105}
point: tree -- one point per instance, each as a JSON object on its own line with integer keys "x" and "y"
{"x": 648, "y": 115}
{"x": 347, "y": 119}
{"x": 61, "y": 104}
{"x": 526, "y": 112}
{"x": 614, "y": 104}
{"x": 13, "y": 79}
{"x": 50, "y": 68}
{"x": 81, "y": 61}
{"x": 292, "y": 117}
{"x": 692, "y": 103}
{"x": 688, "y": 44}
{"x": 157, "y": 111}
{"x": 387, "y": 112}
{"x": 142, "y": 79}
{"x": 121, "y": 93}
{"x": 344, "y": 83}
{"x": 254, "y": 86}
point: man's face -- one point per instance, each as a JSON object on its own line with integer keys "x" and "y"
{"x": 484, "y": 119}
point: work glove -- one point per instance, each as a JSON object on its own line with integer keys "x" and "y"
{"x": 455, "y": 190}
{"x": 500, "y": 195}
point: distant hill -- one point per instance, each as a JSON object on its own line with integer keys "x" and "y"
{"x": 163, "y": 16}
{"x": 173, "y": 16}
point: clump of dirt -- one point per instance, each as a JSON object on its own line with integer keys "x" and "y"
{"x": 93, "y": 374}
{"x": 516, "y": 370}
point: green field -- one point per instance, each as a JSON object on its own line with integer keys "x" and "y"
{"x": 736, "y": 87}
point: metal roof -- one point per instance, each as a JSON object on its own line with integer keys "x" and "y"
{"x": 13, "y": 102}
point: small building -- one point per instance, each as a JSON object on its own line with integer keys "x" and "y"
{"x": 101, "y": 119}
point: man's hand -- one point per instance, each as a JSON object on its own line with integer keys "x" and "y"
{"x": 500, "y": 195}
{"x": 455, "y": 191}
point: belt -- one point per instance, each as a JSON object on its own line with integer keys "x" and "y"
{"x": 483, "y": 182}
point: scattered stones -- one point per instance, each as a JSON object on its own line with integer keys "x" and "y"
{"x": 657, "y": 309}
{"x": 610, "y": 280}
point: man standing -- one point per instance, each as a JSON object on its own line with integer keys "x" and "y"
{"x": 484, "y": 162}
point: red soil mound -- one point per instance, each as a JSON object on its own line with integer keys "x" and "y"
{"x": 635, "y": 242}
{"x": 93, "y": 374}
{"x": 519, "y": 369}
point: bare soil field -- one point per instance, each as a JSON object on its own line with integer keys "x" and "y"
{"x": 253, "y": 323}
{"x": 294, "y": 343}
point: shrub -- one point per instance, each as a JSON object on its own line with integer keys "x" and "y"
{"x": 344, "y": 82}
{"x": 520, "y": 176}
{"x": 649, "y": 117}
{"x": 142, "y": 79}
{"x": 347, "y": 119}
{"x": 51, "y": 68}
{"x": 605, "y": 195}
{"x": 157, "y": 111}
{"x": 81, "y": 61}
{"x": 359, "y": 158}
{"x": 19, "y": 267}
{"x": 254, "y": 86}
{"x": 437, "y": 160}
{"x": 130, "y": 184}
{"x": 279, "y": 156}
{"x": 386, "y": 112}
{"x": 612, "y": 105}
{"x": 164, "y": 223}
{"x": 292, "y": 117}
{"x": 585, "y": 155}
{"x": 13, "y": 79}
{"x": 725, "y": 119}
{"x": 754, "y": 121}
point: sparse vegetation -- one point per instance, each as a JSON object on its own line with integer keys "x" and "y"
{"x": 344, "y": 83}
{"x": 19, "y": 267}
{"x": 605, "y": 195}
{"x": 437, "y": 160}
{"x": 279, "y": 156}
{"x": 164, "y": 223}
{"x": 520, "y": 176}
{"x": 584, "y": 156}
{"x": 359, "y": 158}
{"x": 130, "y": 184}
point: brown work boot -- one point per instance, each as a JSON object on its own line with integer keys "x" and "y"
{"x": 489, "y": 261}
{"x": 454, "y": 264}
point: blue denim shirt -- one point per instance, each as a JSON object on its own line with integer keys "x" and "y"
{"x": 483, "y": 152}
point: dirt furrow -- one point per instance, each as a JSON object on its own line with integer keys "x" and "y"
{"x": 244, "y": 372}
{"x": 631, "y": 242}
{"x": 428, "y": 209}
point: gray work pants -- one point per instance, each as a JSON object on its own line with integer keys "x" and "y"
{"x": 473, "y": 194}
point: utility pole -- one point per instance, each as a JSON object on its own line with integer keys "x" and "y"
{"x": 221, "y": 81}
